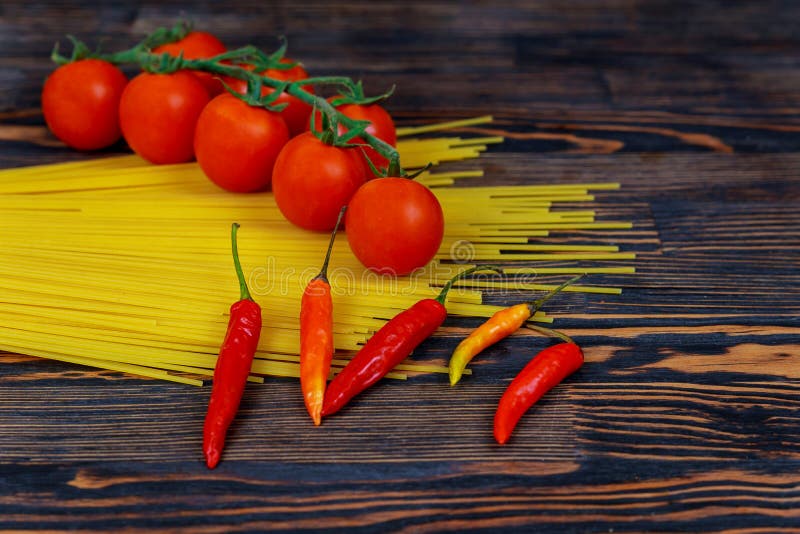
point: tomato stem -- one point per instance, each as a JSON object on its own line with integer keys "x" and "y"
{"x": 394, "y": 168}
{"x": 355, "y": 95}
{"x": 416, "y": 173}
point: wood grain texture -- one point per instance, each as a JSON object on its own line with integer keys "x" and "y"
{"x": 684, "y": 417}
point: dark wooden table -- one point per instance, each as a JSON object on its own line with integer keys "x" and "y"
{"x": 686, "y": 414}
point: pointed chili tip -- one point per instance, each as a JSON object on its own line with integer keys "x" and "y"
{"x": 212, "y": 458}
{"x": 455, "y": 376}
{"x": 328, "y": 409}
{"x": 500, "y": 438}
{"x": 314, "y": 408}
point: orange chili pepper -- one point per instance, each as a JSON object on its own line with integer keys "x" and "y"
{"x": 501, "y": 325}
{"x": 316, "y": 336}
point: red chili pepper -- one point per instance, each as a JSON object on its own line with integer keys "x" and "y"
{"x": 316, "y": 336}
{"x": 233, "y": 365}
{"x": 501, "y": 325}
{"x": 545, "y": 371}
{"x": 389, "y": 346}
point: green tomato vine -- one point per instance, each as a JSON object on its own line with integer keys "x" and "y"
{"x": 231, "y": 64}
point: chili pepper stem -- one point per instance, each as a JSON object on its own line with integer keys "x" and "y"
{"x": 323, "y": 272}
{"x": 549, "y": 332}
{"x": 537, "y": 304}
{"x": 244, "y": 292}
{"x": 446, "y": 289}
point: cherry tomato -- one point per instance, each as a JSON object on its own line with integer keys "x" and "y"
{"x": 296, "y": 113}
{"x": 197, "y": 45}
{"x": 312, "y": 181}
{"x": 237, "y": 144}
{"x": 80, "y": 102}
{"x": 394, "y": 225}
{"x": 158, "y": 114}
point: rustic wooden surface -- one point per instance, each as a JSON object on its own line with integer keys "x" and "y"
{"x": 686, "y": 414}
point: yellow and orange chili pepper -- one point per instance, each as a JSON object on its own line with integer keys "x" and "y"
{"x": 501, "y": 325}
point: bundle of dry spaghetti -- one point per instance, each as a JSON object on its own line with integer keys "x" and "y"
{"x": 122, "y": 265}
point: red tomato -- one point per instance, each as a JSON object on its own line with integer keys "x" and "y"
{"x": 158, "y": 114}
{"x": 394, "y": 225}
{"x": 312, "y": 181}
{"x": 296, "y": 113}
{"x": 197, "y": 45}
{"x": 237, "y": 144}
{"x": 80, "y": 102}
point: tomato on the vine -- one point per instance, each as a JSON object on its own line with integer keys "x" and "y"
{"x": 237, "y": 144}
{"x": 296, "y": 113}
{"x": 158, "y": 114}
{"x": 394, "y": 225}
{"x": 80, "y": 102}
{"x": 312, "y": 181}
{"x": 197, "y": 45}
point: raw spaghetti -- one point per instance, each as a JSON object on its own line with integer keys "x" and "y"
{"x": 118, "y": 264}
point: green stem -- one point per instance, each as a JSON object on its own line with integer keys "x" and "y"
{"x": 548, "y": 332}
{"x": 394, "y": 168}
{"x": 443, "y": 294}
{"x": 126, "y": 56}
{"x": 537, "y": 304}
{"x": 327, "y": 80}
{"x": 159, "y": 37}
{"x": 244, "y": 292}
{"x": 295, "y": 89}
{"x": 323, "y": 273}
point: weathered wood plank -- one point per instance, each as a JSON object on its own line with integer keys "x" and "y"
{"x": 684, "y": 417}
